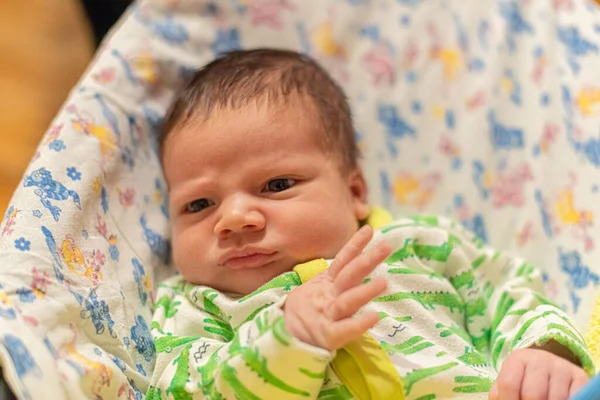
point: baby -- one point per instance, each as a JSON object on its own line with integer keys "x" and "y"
{"x": 291, "y": 286}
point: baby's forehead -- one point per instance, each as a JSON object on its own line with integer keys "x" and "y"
{"x": 286, "y": 117}
{"x": 270, "y": 114}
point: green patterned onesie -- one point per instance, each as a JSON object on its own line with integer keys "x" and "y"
{"x": 453, "y": 311}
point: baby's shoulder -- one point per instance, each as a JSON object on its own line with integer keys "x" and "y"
{"x": 420, "y": 225}
{"x": 427, "y": 229}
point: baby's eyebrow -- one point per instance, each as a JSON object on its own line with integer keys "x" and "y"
{"x": 189, "y": 190}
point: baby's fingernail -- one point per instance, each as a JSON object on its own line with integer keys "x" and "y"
{"x": 365, "y": 228}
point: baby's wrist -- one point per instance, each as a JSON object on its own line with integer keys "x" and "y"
{"x": 558, "y": 350}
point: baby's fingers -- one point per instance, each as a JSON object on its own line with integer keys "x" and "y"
{"x": 351, "y": 250}
{"x": 350, "y": 329}
{"x": 350, "y": 301}
{"x": 579, "y": 380}
{"x": 535, "y": 383}
{"x": 509, "y": 381}
{"x": 559, "y": 384}
{"x": 357, "y": 270}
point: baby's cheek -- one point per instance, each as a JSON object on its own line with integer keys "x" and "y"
{"x": 326, "y": 239}
{"x": 188, "y": 255}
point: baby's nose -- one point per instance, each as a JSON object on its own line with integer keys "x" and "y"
{"x": 239, "y": 216}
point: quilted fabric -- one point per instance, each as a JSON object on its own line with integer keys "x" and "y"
{"x": 488, "y": 113}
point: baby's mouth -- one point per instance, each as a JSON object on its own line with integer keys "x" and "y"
{"x": 247, "y": 258}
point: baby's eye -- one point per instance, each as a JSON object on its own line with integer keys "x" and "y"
{"x": 279, "y": 185}
{"x": 198, "y": 205}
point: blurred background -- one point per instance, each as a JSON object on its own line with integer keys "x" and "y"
{"x": 45, "y": 46}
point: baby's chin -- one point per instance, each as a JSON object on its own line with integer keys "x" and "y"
{"x": 243, "y": 283}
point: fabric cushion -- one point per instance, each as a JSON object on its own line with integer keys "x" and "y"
{"x": 488, "y": 114}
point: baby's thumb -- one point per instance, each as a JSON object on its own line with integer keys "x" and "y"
{"x": 493, "y": 394}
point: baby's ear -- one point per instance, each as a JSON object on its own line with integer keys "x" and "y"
{"x": 358, "y": 189}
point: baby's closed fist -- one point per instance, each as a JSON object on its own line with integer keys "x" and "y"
{"x": 535, "y": 374}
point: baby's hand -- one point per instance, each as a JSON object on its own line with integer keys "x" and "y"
{"x": 320, "y": 312}
{"x": 532, "y": 374}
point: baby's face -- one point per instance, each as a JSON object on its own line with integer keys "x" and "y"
{"x": 253, "y": 193}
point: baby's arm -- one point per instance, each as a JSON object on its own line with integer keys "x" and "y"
{"x": 517, "y": 315}
{"x": 200, "y": 356}
{"x": 516, "y": 322}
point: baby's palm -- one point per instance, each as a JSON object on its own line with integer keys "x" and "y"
{"x": 320, "y": 312}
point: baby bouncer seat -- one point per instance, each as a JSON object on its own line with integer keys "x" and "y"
{"x": 488, "y": 113}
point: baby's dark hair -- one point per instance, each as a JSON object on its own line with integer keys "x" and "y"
{"x": 241, "y": 77}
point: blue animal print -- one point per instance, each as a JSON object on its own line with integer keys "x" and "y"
{"x": 478, "y": 176}
{"x": 576, "y": 45}
{"x": 159, "y": 186}
{"x": 370, "y": 31}
{"x": 396, "y": 127}
{"x": 137, "y": 392}
{"x": 114, "y": 252}
{"x": 589, "y": 148}
{"x": 165, "y": 28}
{"x": 155, "y": 121}
{"x": 392, "y": 148}
{"x": 21, "y": 357}
{"x": 135, "y": 142}
{"x": 26, "y": 295}
{"x": 159, "y": 246}
{"x": 108, "y": 114}
{"x": 50, "y": 347}
{"x": 49, "y": 189}
{"x": 129, "y": 74}
{"x": 504, "y": 137}
{"x": 57, "y": 263}
{"x": 97, "y": 311}
{"x": 546, "y": 221}
{"x": 119, "y": 363}
{"x": 139, "y": 275}
{"x": 450, "y": 119}
{"x": 386, "y": 187}
{"x": 461, "y": 31}
{"x": 8, "y": 313}
{"x": 128, "y": 158}
{"x": 509, "y": 10}
{"x": 303, "y": 36}
{"x": 477, "y": 225}
{"x": 580, "y": 275}
{"x": 77, "y": 367}
{"x": 515, "y": 92}
{"x": 140, "y": 334}
{"x": 226, "y": 40}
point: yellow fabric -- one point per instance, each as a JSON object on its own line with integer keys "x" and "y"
{"x": 309, "y": 269}
{"x": 366, "y": 370}
{"x": 379, "y": 217}
{"x": 362, "y": 365}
